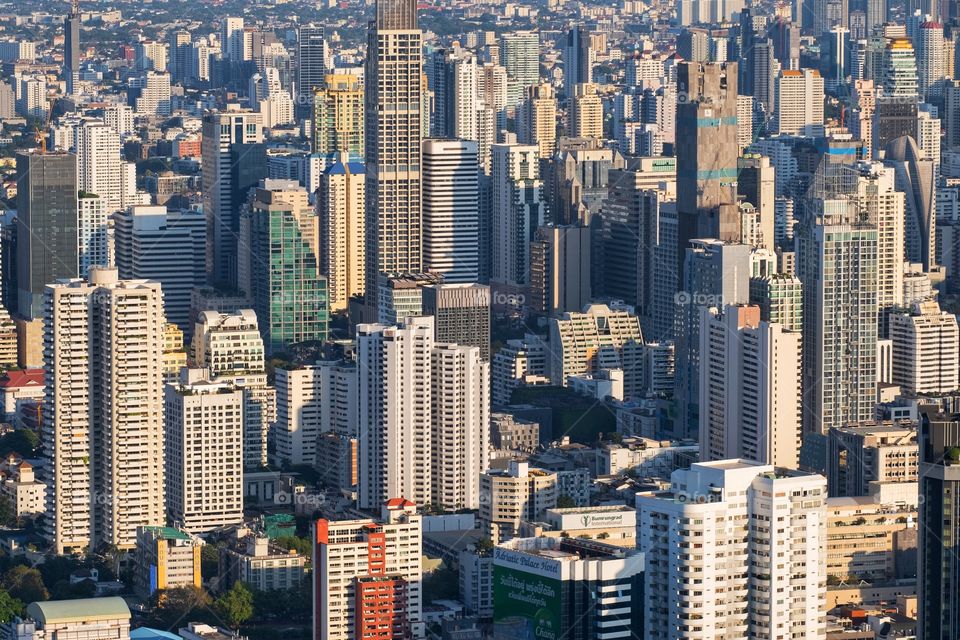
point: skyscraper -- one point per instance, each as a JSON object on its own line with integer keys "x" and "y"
{"x": 279, "y": 231}
{"x": 520, "y": 56}
{"x": 706, "y": 154}
{"x": 229, "y": 346}
{"x": 915, "y": 176}
{"x": 931, "y": 66}
{"x": 311, "y": 67}
{"x": 221, "y": 131}
{"x": 342, "y": 242}
{"x": 537, "y": 119}
{"x": 749, "y": 388}
{"x": 799, "y": 102}
{"x": 837, "y": 264}
{"x": 104, "y": 438}
{"x": 451, "y": 209}
{"x": 730, "y": 508}
{"x": 71, "y": 47}
{"x": 204, "y": 483}
{"x": 518, "y": 209}
{"x": 338, "y": 116}
{"x": 461, "y": 314}
{"x": 393, "y": 121}
{"x": 164, "y": 246}
{"x": 926, "y": 349}
{"x": 895, "y": 113}
{"x": 577, "y": 60}
{"x": 46, "y": 226}
{"x": 410, "y": 387}
{"x": 99, "y": 167}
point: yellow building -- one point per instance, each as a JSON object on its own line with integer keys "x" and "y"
{"x": 864, "y": 535}
{"x": 165, "y": 558}
{"x": 338, "y": 116}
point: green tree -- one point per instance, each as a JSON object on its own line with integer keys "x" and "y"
{"x": 171, "y": 606}
{"x": 294, "y": 543}
{"x": 565, "y": 502}
{"x": 25, "y": 584}
{"x": 9, "y": 607}
{"x": 8, "y": 518}
{"x": 209, "y": 561}
{"x": 23, "y": 442}
{"x": 236, "y": 605}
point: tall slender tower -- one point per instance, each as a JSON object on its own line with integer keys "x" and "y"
{"x": 706, "y": 153}
{"x": 71, "y": 47}
{"x": 393, "y": 102}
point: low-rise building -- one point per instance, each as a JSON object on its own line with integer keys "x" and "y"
{"x": 614, "y": 524}
{"x": 86, "y": 618}
{"x": 166, "y": 558}
{"x": 260, "y": 565}
{"x": 20, "y": 486}
{"x": 865, "y": 539}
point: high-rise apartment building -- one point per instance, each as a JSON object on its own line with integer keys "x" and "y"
{"x": 342, "y": 239}
{"x": 99, "y": 168}
{"x": 926, "y": 349}
{"x": 149, "y": 94}
{"x": 931, "y": 65}
{"x": 165, "y": 246}
{"x": 46, "y": 226}
{"x": 404, "y": 406}
{"x": 104, "y": 440}
{"x": 520, "y": 56}
{"x": 749, "y": 388}
{"x": 393, "y": 120}
{"x": 736, "y": 511}
{"x": 93, "y": 241}
{"x": 706, "y": 154}
{"x": 895, "y": 114}
{"x": 205, "y": 482}
{"x": 598, "y": 338}
{"x": 517, "y": 210}
{"x": 560, "y": 269}
{"x": 461, "y": 314}
{"x": 456, "y": 92}
{"x": 798, "y": 108}
{"x": 537, "y": 119}
{"x": 338, "y": 116}
{"x": 221, "y": 131}
{"x": 451, "y": 209}
{"x": 516, "y": 494}
{"x": 860, "y": 456}
{"x": 837, "y": 264}
{"x": 780, "y": 299}
{"x": 367, "y": 575}
{"x": 311, "y": 401}
{"x": 229, "y": 346}
{"x": 586, "y": 112}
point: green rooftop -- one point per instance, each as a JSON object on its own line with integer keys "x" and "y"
{"x": 169, "y": 533}
{"x": 82, "y": 610}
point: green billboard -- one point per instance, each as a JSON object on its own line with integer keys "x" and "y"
{"x": 526, "y": 606}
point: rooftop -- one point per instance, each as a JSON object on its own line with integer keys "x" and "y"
{"x": 84, "y": 609}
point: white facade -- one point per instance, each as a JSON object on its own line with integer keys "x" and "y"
{"x": 205, "y": 482}
{"x": 926, "y": 349}
{"x": 103, "y": 349}
{"x": 451, "y": 209}
{"x": 518, "y": 208}
{"x": 799, "y": 102}
{"x": 153, "y": 93}
{"x": 749, "y": 388}
{"x": 312, "y": 400}
{"x": 93, "y": 243}
{"x": 734, "y": 550}
{"x": 347, "y": 550}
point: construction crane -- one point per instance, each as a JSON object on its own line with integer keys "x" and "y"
{"x": 39, "y": 137}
